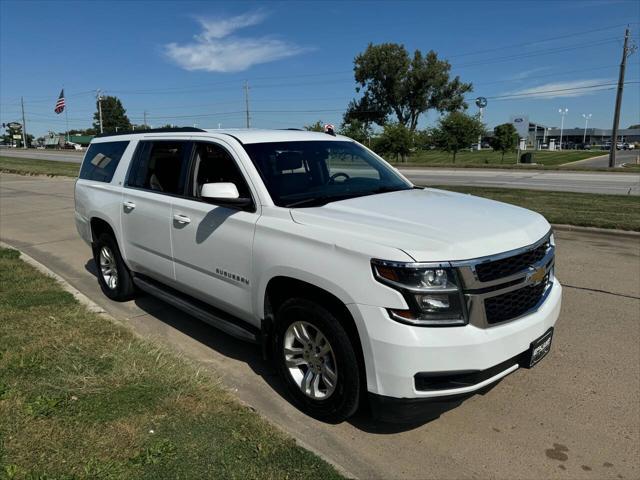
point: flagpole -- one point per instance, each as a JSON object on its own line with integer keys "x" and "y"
{"x": 66, "y": 117}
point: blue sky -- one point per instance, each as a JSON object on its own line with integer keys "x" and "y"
{"x": 185, "y": 62}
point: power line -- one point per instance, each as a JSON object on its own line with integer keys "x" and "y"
{"x": 535, "y": 42}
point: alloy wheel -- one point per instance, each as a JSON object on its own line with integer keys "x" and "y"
{"x": 310, "y": 360}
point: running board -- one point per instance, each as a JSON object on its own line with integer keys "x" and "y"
{"x": 200, "y": 310}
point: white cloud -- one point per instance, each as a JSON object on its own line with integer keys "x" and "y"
{"x": 527, "y": 73}
{"x": 576, "y": 88}
{"x": 222, "y": 27}
{"x": 216, "y": 50}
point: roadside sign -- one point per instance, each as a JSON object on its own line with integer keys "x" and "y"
{"x": 14, "y": 125}
{"x": 17, "y": 137}
{"x": 481, "y": 102}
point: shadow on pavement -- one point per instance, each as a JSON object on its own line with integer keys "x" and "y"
{"x": 252, "y": 355}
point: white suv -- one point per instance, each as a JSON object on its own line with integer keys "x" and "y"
{"x": 358, "y": 284}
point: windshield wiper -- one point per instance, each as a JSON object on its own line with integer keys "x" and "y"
{"x": 323, "y": 199}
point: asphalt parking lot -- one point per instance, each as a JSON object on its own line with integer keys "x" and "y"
{"x": 575, "y": 415}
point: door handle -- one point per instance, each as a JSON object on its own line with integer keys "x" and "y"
{"x": 181, "y": 218}
{"x": 129, "y": 205}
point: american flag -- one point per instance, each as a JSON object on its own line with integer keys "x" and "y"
{"x": 60, "y": 103}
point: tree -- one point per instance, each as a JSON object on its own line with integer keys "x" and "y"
{"x": 457, "y": 131}
{"x": 395, "y": 139}
{"x": 7, "y": 138}
{"x": 315, "y": 127}
{"x": 86, "y": 131}
{"x": 423, "y": 139}
{"x": 637, "y": 125}
{"x": 114, "y": 116}
{"x": 505, "y": 139}
{"x": 359, "y": 131}
{"x": 393, "y": 83}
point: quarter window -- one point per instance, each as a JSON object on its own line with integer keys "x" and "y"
{"x": 161, "y": 167}
{"x": 101, "y": 160}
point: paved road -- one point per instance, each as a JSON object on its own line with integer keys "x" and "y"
{"x": 576, "y": 415}
{"x": 591, "y": 182}
{"x": 622, "y": 156}
{"x": 56, "y": 155}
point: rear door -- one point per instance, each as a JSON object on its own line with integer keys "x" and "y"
{"x": 212, "y": 244}
{"x": 158, "y": 175}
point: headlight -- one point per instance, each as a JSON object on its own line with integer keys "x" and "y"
{"x": 432, "y": 292}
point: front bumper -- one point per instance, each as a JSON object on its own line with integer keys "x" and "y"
{"x": 394, "y": 352}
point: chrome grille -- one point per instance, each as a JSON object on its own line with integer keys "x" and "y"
{"x": 508, "y": 266}
{"x": 504, "y": 287}
{"x": 514, "y": 304}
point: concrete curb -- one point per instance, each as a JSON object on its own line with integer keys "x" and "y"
{"x": 594, "y": 230}
{"x": 95, "y": 308}
{"x": 79, "y": 296}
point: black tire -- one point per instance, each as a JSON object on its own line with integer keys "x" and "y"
{"x": 344, "y": 400}
{"x": 123, "y": 289}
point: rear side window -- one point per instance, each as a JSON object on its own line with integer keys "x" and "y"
{"x": 161, "y": 166}
{"x": 101, "y": 160}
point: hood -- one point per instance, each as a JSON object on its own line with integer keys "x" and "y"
{"x": 430, "y": 224}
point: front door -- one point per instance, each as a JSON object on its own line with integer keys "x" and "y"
{"x": 157, "y": 175}
{"x": 212, "y": 244}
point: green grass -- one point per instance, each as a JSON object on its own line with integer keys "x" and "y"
{"x": 582, "y": 209}
{"x": 489, "y": 157}
{"x": 81, "y": 397}
{"x": 31, "y": 166}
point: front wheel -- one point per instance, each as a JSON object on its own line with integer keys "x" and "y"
{"x": 316, "y": 360}
{"x": 113, "y": 275}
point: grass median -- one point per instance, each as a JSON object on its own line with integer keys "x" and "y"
{"x": 32, "y": 166}
{"x": 582, "y": 209}
{"x": 81, "y": 397}
{"x": 480, "y": 158}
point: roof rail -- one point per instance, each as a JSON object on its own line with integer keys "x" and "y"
{"x": 153, "y": 130}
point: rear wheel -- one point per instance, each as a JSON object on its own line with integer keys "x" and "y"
{"x": 317, "y": 360}
{"x": 113, "y": 275}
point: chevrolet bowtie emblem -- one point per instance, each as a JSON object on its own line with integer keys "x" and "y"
{"x": 537, "y": 274}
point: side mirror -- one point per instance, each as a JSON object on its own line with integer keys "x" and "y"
{"x": 223, "y": 193}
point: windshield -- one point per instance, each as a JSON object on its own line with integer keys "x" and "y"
{"x": 307, "y": 174}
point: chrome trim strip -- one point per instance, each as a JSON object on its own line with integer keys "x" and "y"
{"x": 500, "y": 256}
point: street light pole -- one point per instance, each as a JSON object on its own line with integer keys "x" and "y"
{"x": 586, "y": 117}
{"x": 24, "y": 126}
{"x": 562, "y": 112}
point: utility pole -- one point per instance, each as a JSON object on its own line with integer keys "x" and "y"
{"x": 626, "y": 51}
{"x": 99, "y": 97}
{"x": 246, "y": 101}
{"x": 145, "y": 119}
{"x": 24, "y": 126}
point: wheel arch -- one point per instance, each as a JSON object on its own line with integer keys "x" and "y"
{"x": 99, "y": 226}
{"x": 282, "y": 287}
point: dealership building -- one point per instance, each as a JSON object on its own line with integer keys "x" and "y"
{"x": 537, "y": 134}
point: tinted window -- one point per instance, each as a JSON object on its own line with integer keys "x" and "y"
{"x": 161, "y": 166}
{"x": 101, "y": 160}
{"x": 213, "y": 164}
{"x": 305, "y": 174}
